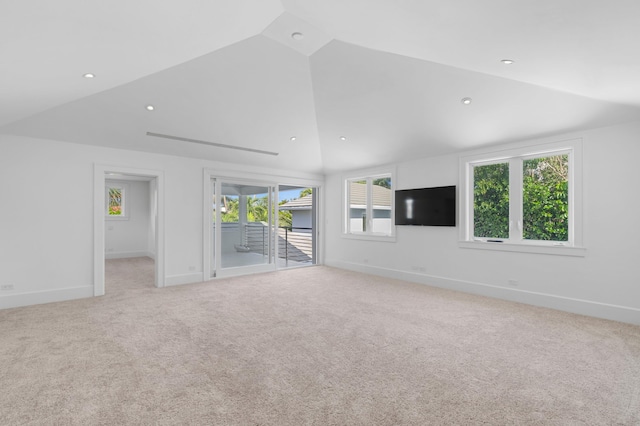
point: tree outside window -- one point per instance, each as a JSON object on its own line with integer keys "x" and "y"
{"x": 116, "y": 200}
{"x": 523, "y": 198}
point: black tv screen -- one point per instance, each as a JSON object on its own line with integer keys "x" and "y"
{"x": 426, "y": 206}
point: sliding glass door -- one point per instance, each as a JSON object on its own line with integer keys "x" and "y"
{"x": 243, "y": 223}
{"x": 297, "y": 226}
{"x": 258, "y": 226}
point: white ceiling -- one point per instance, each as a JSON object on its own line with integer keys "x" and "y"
{"x": 387, "y": 75}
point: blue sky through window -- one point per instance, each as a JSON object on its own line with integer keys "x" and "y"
{"x": 290, "y": 194}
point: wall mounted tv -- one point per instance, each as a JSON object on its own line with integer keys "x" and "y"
{"x": 426, "y": 206}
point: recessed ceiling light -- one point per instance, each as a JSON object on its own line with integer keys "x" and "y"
{"x": 342, "y": 138}
{"x": 507, "y": 61}
{"x": 466, "y": 101}
{"x": 89, "y": 75}
{"x": 293, "y": 138}
{"x": 150, "y": 107}
{"x": 297, "y": 36}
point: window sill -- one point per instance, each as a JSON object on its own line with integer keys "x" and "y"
{"x": 525, "y": 248}
{"x": 109, "y": 217}
{"x": 371, "y": 237}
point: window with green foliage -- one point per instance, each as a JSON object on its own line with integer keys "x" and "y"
{"x": 116, "y": 200}
{"x": 491, "y": 201}
{"x": 524, "y": 196}
{"x": 545, "y": 198}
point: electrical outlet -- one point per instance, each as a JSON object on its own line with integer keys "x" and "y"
{"x": 192, "y": 268}
{"x": 6, "y": 287}
{"x": 513, "y": 283}
{"x": 366, "y": 260}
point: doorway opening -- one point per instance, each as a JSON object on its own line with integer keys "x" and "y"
{"x": 128, "y": 224}
{"x": 130, "y": 232}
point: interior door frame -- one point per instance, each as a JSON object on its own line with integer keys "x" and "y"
{"x": 99, "y": 209}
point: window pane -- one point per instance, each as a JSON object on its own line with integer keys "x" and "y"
{"x": 545, "y": 198}
{"x": 381, "y": 207}
{"x": 358, "y": 206}
{"x": 115, "y": 202}
{"x": 491, "y": 201}
{"x": 245, "y": 234}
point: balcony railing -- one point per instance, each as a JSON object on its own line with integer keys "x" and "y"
{"x": 294, "y": 244}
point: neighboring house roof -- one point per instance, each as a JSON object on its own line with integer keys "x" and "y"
{"x": 358, "y": 193}
{"x": 303, "y": 203}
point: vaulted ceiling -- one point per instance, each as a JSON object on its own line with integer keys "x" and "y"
{"x": 363, "y": 82}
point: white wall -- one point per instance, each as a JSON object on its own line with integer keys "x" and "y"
{"x": 605, "y": 283}
{"x": 46, "y": 218}
{"x": 46, "y": 227}
{"x": 129, "y": 237}
{"x": 301, "y": 219}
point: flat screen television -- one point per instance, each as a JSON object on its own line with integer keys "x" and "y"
{"x": 426, "y": 206}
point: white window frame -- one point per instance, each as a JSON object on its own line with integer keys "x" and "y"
{"x": 369, "y": 176}
{"x": 515, "y": 156}
{"x": 125, "y": 191}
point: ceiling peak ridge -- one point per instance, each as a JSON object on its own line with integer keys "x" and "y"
{"x": 297, "y": 34}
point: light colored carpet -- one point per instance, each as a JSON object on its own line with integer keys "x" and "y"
{"x": 310, "y": 346}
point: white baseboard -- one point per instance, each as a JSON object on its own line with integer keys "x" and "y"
{"x": 128, "y": 254}
{"x": 576, "y": 306}
{"x": 193, "y": 277}
{"x": 47, "y": 296}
